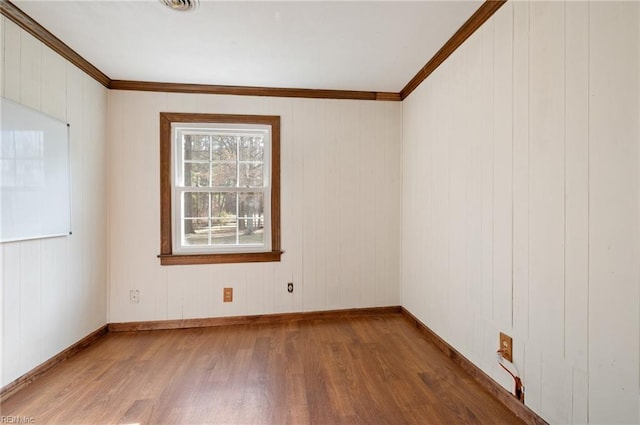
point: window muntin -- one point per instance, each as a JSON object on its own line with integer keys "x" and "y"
{"x": 223, "y": 189}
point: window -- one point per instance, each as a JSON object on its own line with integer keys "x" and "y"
{"x": 219, "y": 188}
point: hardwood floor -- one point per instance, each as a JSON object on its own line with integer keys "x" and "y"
{"x": 362, "y": 370}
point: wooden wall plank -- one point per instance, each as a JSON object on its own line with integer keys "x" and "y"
{"x": 440, "y": 205}
{"x": 100, "y": 179}
{"x": 577, "y": 183}
{"x": 580, "y": 402}
{"x": 458, "y": 146}
{"x": 118, "y": 148}
{"x": 54, "y": 85}
{"x": 333, "y": 183}
{"x": 30, "y": 71}
{"x": 473, "y": 220}
{"x": 503, "y": 169}
{"x": 466, "y": 134}
{"x": 487, "y": 112}
{"x": 175, "y": 303}
{"x": 200, "y": 294}
{"x": 256, "y": 287}
{"x": 310, "y": 112}
{"x": 271, "y": 285}
{"x": 387, "y": 182}
{"x": 613, "y": 212}
{"x": 557, "y": 389}
{"x": 11, "y": 65}
{"x": 365, "y": 223}
{"x": 298, "y": 230}
{"x": 532, "y": 376}
{"x": 424, "y": 216}
{"x": 53, "y": 293}
{"x": 521, "y": 169}
{"x": 84, "y": 186}
{"x": 31, "y": 335}
{"x": 324, "y": 201}
{"x": 349, "y": 204}
{"x": 11, "y": 346}
{"x": 391, "y": 244}
{"x": 546, "y": 165}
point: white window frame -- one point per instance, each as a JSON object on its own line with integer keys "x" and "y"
{"x": 178, "y": 131}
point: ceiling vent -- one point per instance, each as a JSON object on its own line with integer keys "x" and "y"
{"x": 182, "y": 5}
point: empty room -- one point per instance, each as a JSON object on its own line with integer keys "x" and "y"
{"x": 320, "y": 212}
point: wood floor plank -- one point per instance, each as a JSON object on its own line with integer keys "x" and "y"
{"x": 357, "y": 370}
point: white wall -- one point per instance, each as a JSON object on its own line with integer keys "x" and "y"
{"x": 54, "y": 290}
{"x": 520, "y": 204}
{"x": 340, "y": 210}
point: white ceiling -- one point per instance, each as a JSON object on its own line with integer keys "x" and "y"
{"x": 357, "y": 45}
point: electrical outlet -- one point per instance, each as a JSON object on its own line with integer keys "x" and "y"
{"x": 506, "y": 347}
{"x": 134, "y": 296}
{"x": 227, "y": 295}
{"x": 290, "y": 287}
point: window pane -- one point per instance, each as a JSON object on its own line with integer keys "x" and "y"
{"x": 223, "y": 231}
{"x": 250, "y": 218}
{"x": 196, "y": 231}
{"x": 223, "y": 148}
{"x": 224, "y": 222}
{"x": 251, "y": 148}
{"x": 251, "y": 175}
{"x": 223, "y": 175}
{"x": 195, "y": 205}
{"x": 196, "y": 147}
{"x": 196, "y": 175}
{"x": 223, "y": 204}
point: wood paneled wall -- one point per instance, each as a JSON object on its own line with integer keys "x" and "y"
{"x": 521, "y": 204}
{"x": 54, "y": 290}
{"x": 340, "y": 208}
{"x": 517, "y": 185}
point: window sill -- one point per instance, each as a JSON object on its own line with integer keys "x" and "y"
{"x": 240, "y": 257}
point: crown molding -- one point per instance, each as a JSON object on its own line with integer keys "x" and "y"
{"x": 24, "y": 21}
{"x": 252, "y": 91}
{"x": 28, "y": 24}
{"x": 484, "y": 12}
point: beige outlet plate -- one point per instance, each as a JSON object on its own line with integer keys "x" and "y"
{"x": 506, "y": 347}
{"x": 227, "y": 295}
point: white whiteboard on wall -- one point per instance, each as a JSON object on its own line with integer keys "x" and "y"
{"x": 34, "y": 174}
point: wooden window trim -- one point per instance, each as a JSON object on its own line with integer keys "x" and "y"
{"x": 166, "y": 245}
